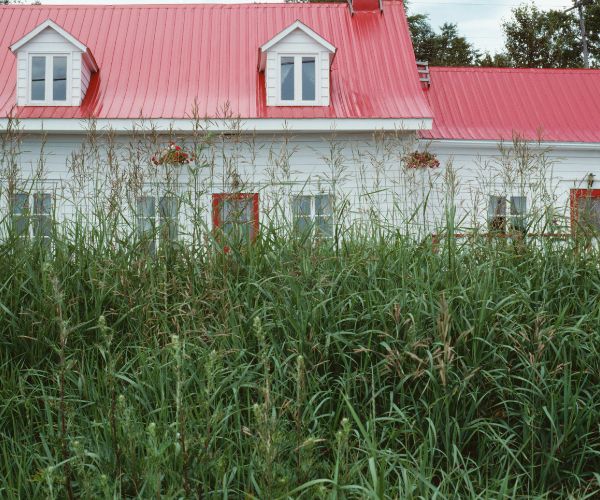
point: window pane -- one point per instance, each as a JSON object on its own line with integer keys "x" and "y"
{"x": 287, "y": 78}
{"x": 20, "y": 204}
{"x": 325, "y": 226}
{"x": 42, "y": 203}
{"x": 302, "y": 224}
{"x": 308, "y": 79}
{"x": 42, "y": 226}
{"x": 42, "y": 208}
{"x": 38, "y": 78}
{"x": 59, "y": 78}
{"x": 146, "y": 210}
{"x": 518, "y": 209}
{"x": 168, "y": 211}
{"x": 497, "y": 206}
{"x": 323, "y": 204}
{"x": 497, "y": 213}
{"x": 301, "y": 205}
{"x": 518, "y": 205}
{"x": 20, "y": 213}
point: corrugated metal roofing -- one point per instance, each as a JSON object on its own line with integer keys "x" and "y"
{"x": 156, "y": 61}
{"x": 496, "y": 103}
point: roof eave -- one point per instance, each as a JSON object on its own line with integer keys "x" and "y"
{"x": 48, "y": 23}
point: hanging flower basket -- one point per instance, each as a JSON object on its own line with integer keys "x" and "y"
{"x": 418, "y": 159}
{"x": 173, "y": 155}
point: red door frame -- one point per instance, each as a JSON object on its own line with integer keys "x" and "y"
{"x": 575, "y": 196}
{"x": 217, "y": 198}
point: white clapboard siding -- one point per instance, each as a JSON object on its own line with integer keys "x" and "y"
{"x": 365, "y": 173}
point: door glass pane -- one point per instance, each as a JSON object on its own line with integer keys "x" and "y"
{"x": 59, "y": 78}
{"x": 237, "y": 219}
{"x": 38, "y": 78}
{"x": 308, "y": 79}
{"x": 287, "y": 78}
{"x": 589, "y": 213}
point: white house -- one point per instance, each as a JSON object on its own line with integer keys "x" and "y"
{"x": 303, "y": 112}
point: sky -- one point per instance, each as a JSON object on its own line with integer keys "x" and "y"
{"x": 478, "y": 20}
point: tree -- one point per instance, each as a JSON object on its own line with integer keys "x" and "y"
{"x": 542, "y": 39}
{"x": 446, "y": 48}
{"x": 452, "y": 49}
{"x": 500, "y": 60}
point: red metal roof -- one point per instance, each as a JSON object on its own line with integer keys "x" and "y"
{"x": 495, "y": 103}
{"x": 157, "y": 60}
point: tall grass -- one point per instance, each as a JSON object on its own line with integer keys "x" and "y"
{"x": 370, "y": 368}
{"x": 372, "y": 365}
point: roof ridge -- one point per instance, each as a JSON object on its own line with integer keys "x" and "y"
{"x": 494, "y": 69}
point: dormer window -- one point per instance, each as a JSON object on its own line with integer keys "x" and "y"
{"x": 297, "y": 77}
{"x": 53, "y": 67}
{"x": 48, "y": 79}
{"x": 297, "y": 64}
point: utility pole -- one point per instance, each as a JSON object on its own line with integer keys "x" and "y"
{"x": 584, "y": 45}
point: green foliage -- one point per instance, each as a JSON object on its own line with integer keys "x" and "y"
{"x": 446, "y": 48}
{"x": 543, "y": 39}
{"x": 369, "y": 368}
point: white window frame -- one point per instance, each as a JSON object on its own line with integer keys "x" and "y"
{"x": 33, "y": 216}
{"x": 313, "y": 217}
{"x": 49, "y": 101}
{"x": 298, "y": 79}
{"x": 155, "y": 235}
{"x": 511, "y": 220}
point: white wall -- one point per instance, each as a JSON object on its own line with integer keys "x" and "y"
{"x": 365, "y": 172}
{"x": 545, "y": 173}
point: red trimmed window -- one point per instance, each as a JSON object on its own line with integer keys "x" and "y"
{"x": 236, "y": 216}
{"x": 585, "y": 209}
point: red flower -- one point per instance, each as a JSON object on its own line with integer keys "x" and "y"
{"x": 424, "y": 159}
{"x": 172, "y": 155}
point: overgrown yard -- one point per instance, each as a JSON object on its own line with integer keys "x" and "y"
{"x": 373, "y": 369}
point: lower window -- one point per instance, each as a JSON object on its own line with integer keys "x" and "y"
{"x": 314, "y": 212}
{"x": 585, "y": 209}
{"x": 503, "y": 216}
{"x": 32, "y": 218}
{"x": 157, "y": 218}
{"x": 235, "y": 215}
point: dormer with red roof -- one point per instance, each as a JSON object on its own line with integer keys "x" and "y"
{"x": 53, "y": 67}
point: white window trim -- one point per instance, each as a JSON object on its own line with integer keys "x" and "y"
{"x": 49, "y": 77}
{"x": 312, "y": 216}
{"x": 507, "y": 216}
{"x": 33, "y": 216}
{"x": 298, "y": 79}
{"x": 157, "y": 219}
